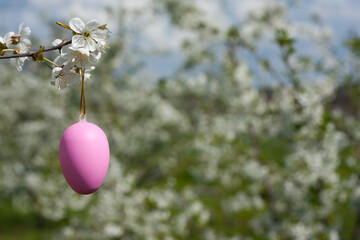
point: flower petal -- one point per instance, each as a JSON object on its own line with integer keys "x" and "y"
{"x": 90, "y": 68}
{"x": 20, "y": 62}
{"x": 66, "y": 53}
{"x": 84, "y": 51}
{"x": 92, "y": 25}
{"x": 91, "y": 44}
{"x": 78, "y": 41}
{"x": 26, "y": 42}
{"x": 68, "y": 66}
{"x": 8, "y": 36}
{"x": 87, "y": 76}
{"x": 77, "y": 25}
{"x": 95, "y": 56}
{"x": 56, "y": 42}
{"x": 23, "y": 47}
{"x": 72, "y": 78}
{"x": 20, "y": 28}
{"x": 98, "y": 34}
{"x": 25, "y": 32}
{"x": 58, "y": 60}
{"x": 56, "y": 72}
{"x": 101, "y": 46}
{"x": 60, "y": 83}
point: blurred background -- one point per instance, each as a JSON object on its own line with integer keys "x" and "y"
{"x": 226, "y": 119}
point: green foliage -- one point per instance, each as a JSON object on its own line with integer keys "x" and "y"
{"x": 353, "y": 44}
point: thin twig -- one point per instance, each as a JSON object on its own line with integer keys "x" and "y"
{"x": 31, "y": 54}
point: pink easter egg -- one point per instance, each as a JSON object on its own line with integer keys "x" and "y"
{"x": 84, "y": 156}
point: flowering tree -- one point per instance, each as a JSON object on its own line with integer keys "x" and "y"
{"x": 208, "y": 153}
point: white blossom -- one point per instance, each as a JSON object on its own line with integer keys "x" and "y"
{"x": 66, "y": 76}
{"x": 81, "y": 57}
{"x": 23, "y": 37}
{"x": 88, "y": 37}
{"x": 20, "y": 43}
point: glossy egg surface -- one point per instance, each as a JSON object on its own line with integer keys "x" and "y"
{"x": 84, "y": 156}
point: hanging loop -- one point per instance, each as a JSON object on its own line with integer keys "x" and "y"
{"x": 82, "y": 95}
{"x": 82, "y": 118}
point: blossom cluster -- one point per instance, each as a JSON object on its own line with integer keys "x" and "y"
{"x": 16, "y": 43}
{"x": 76, "y": 59}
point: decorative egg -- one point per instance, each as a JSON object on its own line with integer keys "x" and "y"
{"x": 84, "y": 156}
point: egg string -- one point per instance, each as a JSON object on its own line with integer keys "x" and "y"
{"x": 82, "y": 96}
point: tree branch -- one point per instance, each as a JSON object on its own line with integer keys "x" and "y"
{"x": 31, "y": 54}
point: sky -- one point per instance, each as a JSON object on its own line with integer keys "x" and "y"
{"x": 342, "y": 17}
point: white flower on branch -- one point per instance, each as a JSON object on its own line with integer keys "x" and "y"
{"x": 20, "y": 43}
{"x": 22, "y": 37}
{"x": 88, "y": 37}
{"x": 67, "y": 76}
{"x": 82, "y": 58}
{"x": 88, "y": 42}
